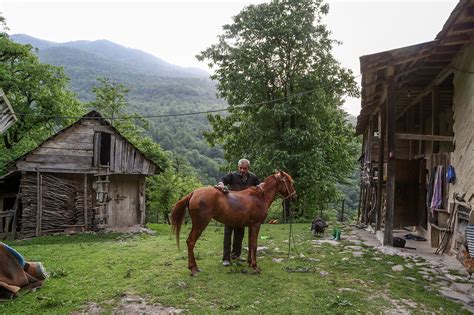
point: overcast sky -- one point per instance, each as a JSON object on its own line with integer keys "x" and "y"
{"x": 177, "y": 30}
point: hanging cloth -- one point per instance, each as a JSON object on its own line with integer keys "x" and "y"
{"x": 437, "y": 198}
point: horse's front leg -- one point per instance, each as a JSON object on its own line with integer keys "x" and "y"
{"x": 195, "y": 233}
{"x": 253, "y": 236}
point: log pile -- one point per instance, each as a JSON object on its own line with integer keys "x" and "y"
{"x": 58, "y": 210}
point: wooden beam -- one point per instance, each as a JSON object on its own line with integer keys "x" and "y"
{"x": 436, "y": 81}
{"x": 391, "y": 127}
{"x": 39, "y": 201}
{"x": 85, "y": 202}
{"x": 435, "y": 117}
{"x": 381, "y": 129}
{"x": 423, "y": 137}
{"x": 456, "y": 39}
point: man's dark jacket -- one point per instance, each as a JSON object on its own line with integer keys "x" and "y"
{"x": 236, "y": 182}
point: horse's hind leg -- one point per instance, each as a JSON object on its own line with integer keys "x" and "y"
{"x": 253, "y": 236}
{"x": 195, "y": 233}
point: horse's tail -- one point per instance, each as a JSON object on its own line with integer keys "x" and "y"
{"x": 177, "y": 215}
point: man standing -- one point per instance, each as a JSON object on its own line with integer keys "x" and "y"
{"x": 236, "y": 181}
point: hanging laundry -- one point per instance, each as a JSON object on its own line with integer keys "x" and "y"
{"x": 437, "y": 199}
{"x": 430, "y": 184}
{"x": 450, "y": 174}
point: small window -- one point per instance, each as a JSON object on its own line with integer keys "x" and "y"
{"x": 102, "y": 146}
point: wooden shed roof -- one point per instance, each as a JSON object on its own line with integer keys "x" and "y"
{"x": 417, "y": 67}
{"x": 91, "y": 115}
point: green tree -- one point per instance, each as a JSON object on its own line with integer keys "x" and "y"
{"x": 39, "y": 95}
{"x": 177, "y": 177}
{"x": 277, "y": 56}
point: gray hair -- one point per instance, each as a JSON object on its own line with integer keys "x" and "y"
{"x": 244, "y": 161}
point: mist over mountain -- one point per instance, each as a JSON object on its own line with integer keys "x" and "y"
{"x": 156, "y": 87}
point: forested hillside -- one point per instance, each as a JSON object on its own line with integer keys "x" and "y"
{"x": 156, "y": 87}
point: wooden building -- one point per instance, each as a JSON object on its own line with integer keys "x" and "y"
{"x": 85, "y": 177}
{"x": 417, "y": 121}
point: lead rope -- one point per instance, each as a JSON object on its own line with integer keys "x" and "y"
{"x": 291, "y": 237}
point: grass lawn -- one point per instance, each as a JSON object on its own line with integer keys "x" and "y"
{"x": 102, "y": 268}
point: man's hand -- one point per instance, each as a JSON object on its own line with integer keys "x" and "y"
{"x": 221, "y": 187}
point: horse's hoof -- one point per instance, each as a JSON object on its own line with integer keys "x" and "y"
{"x": 194, "y": 273}
{"x": 256, "y": 270}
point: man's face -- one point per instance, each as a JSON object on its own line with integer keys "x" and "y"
{"x": 243, "y": 168}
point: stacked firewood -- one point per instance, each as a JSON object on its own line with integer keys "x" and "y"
{"x": 57, "y": 208}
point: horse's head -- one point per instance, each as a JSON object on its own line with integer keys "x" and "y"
{"x": 286, "y": 188}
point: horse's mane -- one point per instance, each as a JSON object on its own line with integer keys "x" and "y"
{"x": 253, "y": 190}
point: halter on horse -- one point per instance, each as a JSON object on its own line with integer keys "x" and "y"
{"x": 248, "y": 207}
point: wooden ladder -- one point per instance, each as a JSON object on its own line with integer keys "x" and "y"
{"x": 102, "y": 181}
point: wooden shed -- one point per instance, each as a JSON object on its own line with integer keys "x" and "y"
{"x": 85, "y": 177}
{"x": 417, "y": 121}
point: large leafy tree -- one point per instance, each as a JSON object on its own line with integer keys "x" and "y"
{"x": 38, "y": 93}
{"x": 274, "y": 66}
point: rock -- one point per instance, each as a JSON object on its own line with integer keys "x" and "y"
{"x": 278, "y": 260}
{"x": 397, "y": 268}
{"x": 353, "y": 247}
{"x": 388, "y": 275}
{"x": 302, "y": 255}
{"x": 409, "y": 266}
{"x": 411, "y": 279}
{"x": 345, "y": 259}
{"x": 376, "y": 258}
{"x": 452, "y": 278}
{"x": 358, "y": 254}
{"x": 313, "y": 259}
{"x": 357, "y": 242}
{"x": 455, "y": 296}
{"x": 464, "y": 288}
{"x": 323, "y": 273}
{"x": 331, "y": 242}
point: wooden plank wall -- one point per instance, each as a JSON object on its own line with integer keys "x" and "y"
{"x": 73, "y": 150}
{"x": 463, "y": 155}
{"x": 125, "y": 159}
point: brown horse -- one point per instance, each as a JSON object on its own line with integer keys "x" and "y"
{"x": 248, "y": 207}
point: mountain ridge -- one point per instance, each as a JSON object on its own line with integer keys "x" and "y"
{"x": 141, "y": 60}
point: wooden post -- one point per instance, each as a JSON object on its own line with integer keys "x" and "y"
{"x": 421, "y": 128}
{"x": 15, "y": 216}
{"x": 85, "y": 203}
{"x": 39, "y": 201}
{"x": 391, "y": 127}
{"x": 342, "y": 210}
{"x": 141, "y": 199}
{"x": 435, "y": 117}
{"x": 360, "y": 201}
{"x": 378, "y": 217}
